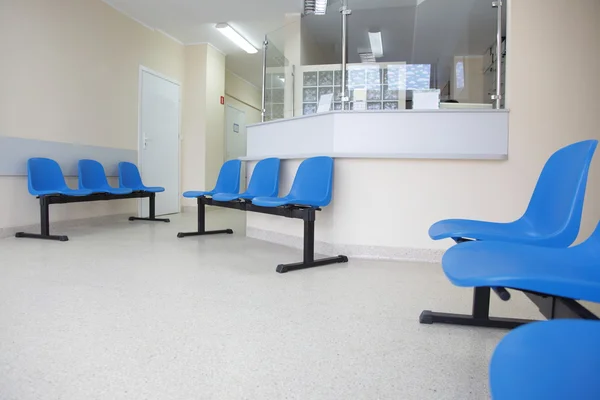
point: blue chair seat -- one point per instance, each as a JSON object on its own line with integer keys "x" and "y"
{"x": 553, "y": 216}
{"x": 518, "y": 231}
{"x": 65, "y": 192}
{"x": 566, "y": 272}
{"x": 228, "y": 181}
{"x": 130, "y": 178}
{"x": 196, "y": 194}
{"x": 224, "y": 197}
{"x": 149, "y": 189}
{"x": 553, "y": 360}
{"x": 111, "y": 190}
{"x": 282, "y": 201}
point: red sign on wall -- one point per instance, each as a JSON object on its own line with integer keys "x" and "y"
{"x": 222, "y": 99}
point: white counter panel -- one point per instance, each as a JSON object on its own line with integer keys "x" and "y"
{"x": 409, "y": 134}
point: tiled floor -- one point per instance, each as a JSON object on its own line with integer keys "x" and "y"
{"x": 128, "y": 311}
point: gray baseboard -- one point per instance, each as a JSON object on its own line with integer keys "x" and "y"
{"x": 61, "y": 225}
{"x": 355, "y": 251}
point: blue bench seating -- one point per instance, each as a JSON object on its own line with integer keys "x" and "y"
{"x": 92, "y": 177}
{"x": 228, "y": 181}
{"x": 551, "y": 220}
{"x": 553, "y": 360}
{"x": 556, "y": 359}
{"x": 131, "y": 179}
{"x": 264, "y": 182}
{"x": 554, "y": 213}
{"x": 311, "y": 190}
{"x": 46, "y": 181}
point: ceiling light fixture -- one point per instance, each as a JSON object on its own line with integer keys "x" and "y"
{"x": 376, "y": 44}
{"x": 236, "y": 38}
{"x": 316, "y": 7}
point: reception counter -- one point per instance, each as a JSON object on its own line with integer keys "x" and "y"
{"x": 439, "y": 134}
{"x": 395, "y": 174}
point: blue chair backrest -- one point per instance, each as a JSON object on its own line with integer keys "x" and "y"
{"x": 229, "y": 177}
{"x": 91, "y": 175}
{"x": 557, "y": 201}
{"x": 314, "y": 181}
{"x": 44, "y": 174}
{"x": 129, "y": 175}
{"x": 265, "y": 178}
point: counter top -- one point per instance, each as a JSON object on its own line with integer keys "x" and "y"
{"x": 375, "y": 112}
{"x": 407, "y": 156}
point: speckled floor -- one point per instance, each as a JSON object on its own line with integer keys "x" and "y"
{"x": 128, "y": 311}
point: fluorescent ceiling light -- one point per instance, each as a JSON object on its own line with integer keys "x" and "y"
{"x": 376, "y": 44}
{"x": 316, "y": 7}
{"x": 236, "y": 38}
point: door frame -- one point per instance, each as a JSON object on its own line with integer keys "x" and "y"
{"x": 143, "y": 69}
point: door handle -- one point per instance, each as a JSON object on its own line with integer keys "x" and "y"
{"x": 146, "y": 140}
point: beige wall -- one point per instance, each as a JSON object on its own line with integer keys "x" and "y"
{"x": 243, "y": 96}
{"x": 553, "y": 103}
{"x": 203, "y": 144}
{"x": 215, "y": 112}
{"x": 193, "y": 145}
{"x": 69, "y": 72}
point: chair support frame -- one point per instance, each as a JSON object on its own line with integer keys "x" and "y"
{"x": 551, "y": 307}
{"x": 307, "y": 214}
{"x": 46, "y": 201}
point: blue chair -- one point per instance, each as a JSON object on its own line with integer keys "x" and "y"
{"x": 46, "y": 181}
{"x": 227, "y": 182}
{"x": 312, "y": 186}
{"x": 552, "y": 219}
{"x": 554, "y": 212}
{"x": 130, "y": 178}
{"x": 93, "y": 177}
{"x": 572, "y": 272}
{"x": 44, "y": 178}
{"x": 553, "y": 360}
{"x": 264, "y": 182}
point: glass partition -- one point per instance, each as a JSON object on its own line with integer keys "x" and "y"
{"x": 431, "y": 54}
{"x": 405, "y": 54}
{"x": 320, "y": 71}
{"x": 282, "y": 53}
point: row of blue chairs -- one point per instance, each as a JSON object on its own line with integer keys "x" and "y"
{"x": 312, "y": 186}
{"x": 311, "y": 190}
{"x": 540, "y": 360}
{"x": 46, "y": 181}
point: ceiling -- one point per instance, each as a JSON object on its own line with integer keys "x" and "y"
{"x": 416, "y": 31}
{"x": 193, "y": 21}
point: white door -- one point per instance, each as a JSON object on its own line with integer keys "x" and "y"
{"x": 159, "y": 140}
{"x": 235, "y": 132}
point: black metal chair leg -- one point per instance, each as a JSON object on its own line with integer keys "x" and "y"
{"x": 202, "y": 224}
{"x": 309, "y": 250}
{"x": 44, "y": 225}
